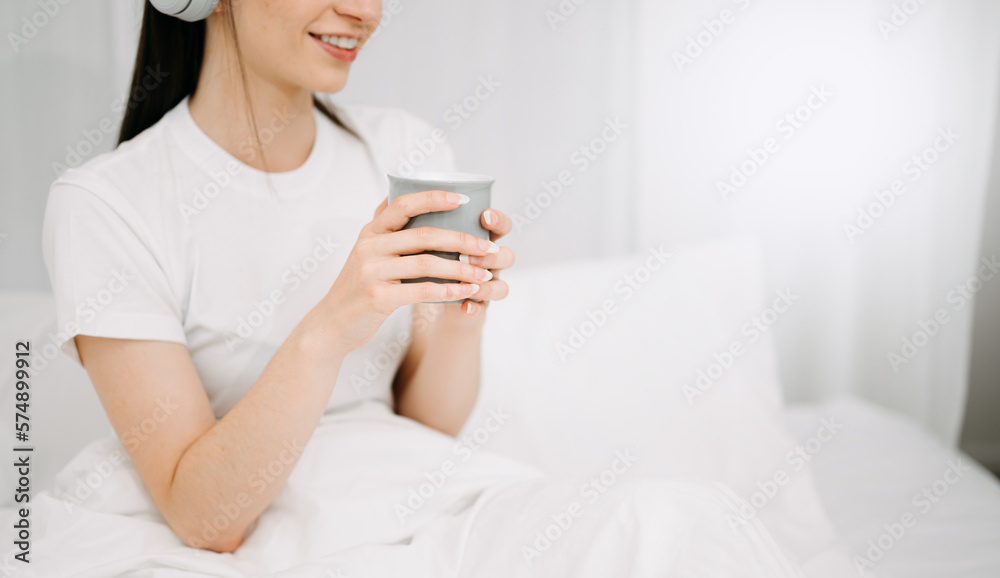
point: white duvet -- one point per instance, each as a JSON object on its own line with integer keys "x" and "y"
{"x": 376, "y": 495}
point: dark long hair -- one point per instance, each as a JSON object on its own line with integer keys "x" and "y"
{"x": 167, "y": 67}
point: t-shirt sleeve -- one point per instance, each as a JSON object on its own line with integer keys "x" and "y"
{"x": 108, "y": 275}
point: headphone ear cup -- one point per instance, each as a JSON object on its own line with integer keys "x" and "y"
{"x": 187, "y": 10}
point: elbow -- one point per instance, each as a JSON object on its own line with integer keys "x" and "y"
{"x": 195, "y": 526}
{"x": 221, "y": 544}
{"x": 227, "y": 546}
{"x": 207, "y": 537}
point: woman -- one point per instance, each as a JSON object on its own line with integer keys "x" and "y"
{"x": 225, "y": 287}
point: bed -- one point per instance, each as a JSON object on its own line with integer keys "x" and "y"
{"x": 869, "y": 478}
{"x": 617, "y": 354}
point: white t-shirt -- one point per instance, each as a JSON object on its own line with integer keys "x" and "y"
{"x": 171, "y": 238}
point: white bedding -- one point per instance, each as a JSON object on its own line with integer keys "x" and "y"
{"x": 868, "y": 477}
{"x": 622, "y": 391}
{"x": 339, "y": 516}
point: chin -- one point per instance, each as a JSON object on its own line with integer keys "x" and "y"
{"x": 327, "y": 82}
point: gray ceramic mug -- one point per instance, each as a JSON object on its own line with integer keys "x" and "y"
{"x": 464, "y": 218}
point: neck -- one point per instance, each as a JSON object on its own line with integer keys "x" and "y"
{"x": 223, "y": 109}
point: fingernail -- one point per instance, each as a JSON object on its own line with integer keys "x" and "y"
{"x": 488, "y": 246}
{"x": 473, "y": 288}
{"x": 457, "y": 198}
{"x": 470, "y": 259}
{"x": 470, "y": 308}
{"x": 489, "y": 217}
{"x": 485, "y": 274}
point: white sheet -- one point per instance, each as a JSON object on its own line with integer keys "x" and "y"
{"x": 868, "y": 477}
{"x": 337, "y": 516}
{"x": 568, "y": 420}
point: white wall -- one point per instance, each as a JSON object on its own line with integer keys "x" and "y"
{"x": 55, "y": 90}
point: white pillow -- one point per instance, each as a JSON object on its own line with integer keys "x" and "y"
{"x": 623, "y": 387}
{"x": 627, "y": 377}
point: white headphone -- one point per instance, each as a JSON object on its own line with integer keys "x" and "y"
{"x": 189, "y": 10}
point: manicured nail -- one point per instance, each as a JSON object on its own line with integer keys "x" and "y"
{"x": 485, "y": 274}
{"x": 457, "y": 198}
{"x": 489, "y": 217}
{"x": 473, "y": 288}
{"x": 470, "y": 259}
{"x": 488, "y": 246}
{"x": 470, "y": 308}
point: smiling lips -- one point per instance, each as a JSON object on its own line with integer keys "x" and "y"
{"x": 340, "y": 47}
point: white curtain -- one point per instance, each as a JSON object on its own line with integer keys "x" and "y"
{"x": 594, "y": 93}
{"x": 898, "y": 79}
{"x": 698, "y": 84}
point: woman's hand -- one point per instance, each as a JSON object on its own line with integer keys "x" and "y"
{"x": 495, "y": 289}
{"x": 438, "y": 380}
{"x": 368, "y": 288}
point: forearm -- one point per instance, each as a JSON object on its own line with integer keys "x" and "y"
{"x": 237, "y": 467}
{"x": 442, "y": 390}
